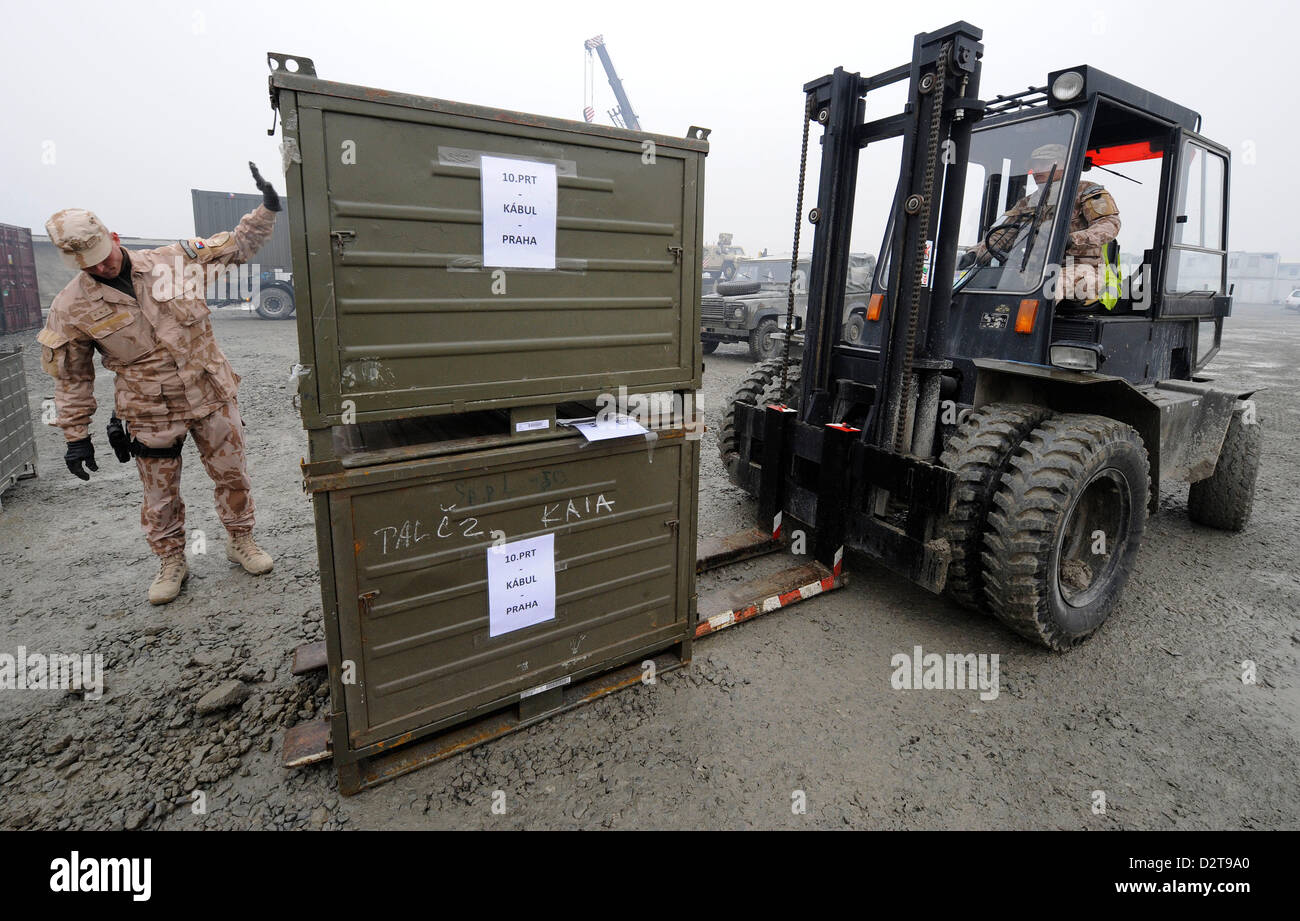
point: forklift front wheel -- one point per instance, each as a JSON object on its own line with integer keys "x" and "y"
{"x": 1065, "y": 528}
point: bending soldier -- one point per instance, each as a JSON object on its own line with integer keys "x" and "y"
{"x": 146, "y": 316}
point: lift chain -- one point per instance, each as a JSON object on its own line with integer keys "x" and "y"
{"x": 794, "y": 257}
{"x": 923, "y": 220}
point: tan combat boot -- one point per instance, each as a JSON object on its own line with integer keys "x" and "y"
{"x": 171, "y": 575}
{"x": 242, "y": 549}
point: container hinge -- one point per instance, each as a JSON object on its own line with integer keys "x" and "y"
{"x": 673, "y": 524}
{"x": 677, "y": 254}
{"x": 365, "y": 599}
{"x": 341, "y": 238}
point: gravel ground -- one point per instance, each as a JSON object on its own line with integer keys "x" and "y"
{"x": 794, "y": 707}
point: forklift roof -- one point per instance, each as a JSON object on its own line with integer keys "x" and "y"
{"x": 1098, "y": 82}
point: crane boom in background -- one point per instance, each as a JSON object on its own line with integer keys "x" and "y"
{"x": 622, "y": 114}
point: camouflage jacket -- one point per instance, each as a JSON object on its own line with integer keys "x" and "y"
{"x": 1093, "y": 223}
{"x": 159, "y": 344}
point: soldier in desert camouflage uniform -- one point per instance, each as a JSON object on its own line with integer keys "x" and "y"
{"x": 1094, "y": 223}
{"x": 145, "y": 313}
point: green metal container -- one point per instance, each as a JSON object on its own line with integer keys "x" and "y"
{"x": 398, "y": 315}
{"x": 405, "y": 553}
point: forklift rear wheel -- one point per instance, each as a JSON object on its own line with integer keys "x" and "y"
{"x": 1065, "y": 528}
{"x": 762, "y": 342}
{"x": 763, "y": 386}
{"x": 979, "y": 452}
{"x": 1224, "y": 500}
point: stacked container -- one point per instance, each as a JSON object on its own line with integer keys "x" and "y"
{"x": 437, "y": 371}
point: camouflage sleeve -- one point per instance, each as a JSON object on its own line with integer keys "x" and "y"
{"x": 69, "y": 359}
{"x": 233, "y": 247}
{"x": 1098, "y": 233}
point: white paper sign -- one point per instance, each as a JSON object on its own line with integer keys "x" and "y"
{"x": 617, "y": 425}
{"x": 518, "y": 213}
{"x": 521, "y": 584}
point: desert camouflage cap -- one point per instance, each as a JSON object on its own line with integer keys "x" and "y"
{"x": 82, "y": 239}
{"x": 1048, "y": 153}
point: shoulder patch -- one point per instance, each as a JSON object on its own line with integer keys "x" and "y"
{"x": 1098, "y": 205}
{"x": 189, "y": 249}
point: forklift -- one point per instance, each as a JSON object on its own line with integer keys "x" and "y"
{"x": 984, "y": 430}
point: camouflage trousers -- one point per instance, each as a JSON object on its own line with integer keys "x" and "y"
{"x": 219, "y": 436}
{"x": 1081, "y": 281}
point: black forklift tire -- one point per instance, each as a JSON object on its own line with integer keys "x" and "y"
{"x": 1073, "y": 476}
{"x": 762, "y": 344}
{"x": 274, "y": 303}
{"x": 710, "y": 346}
{"x": 979, "y": 452}
{"x": 762, "y": 386}
{"x": 1224, "y": 499}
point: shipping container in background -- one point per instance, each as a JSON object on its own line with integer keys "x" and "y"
{"x": 17, "y": 434}
{"x": 20, "y": 300}
{"x": 218, "y": 211}
{"x": 53, "y": 274}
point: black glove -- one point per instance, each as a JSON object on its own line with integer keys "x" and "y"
{"x": 967, "y": 260}
{"x": 119, "y": 439}
{"x": 79, "y": 451}
{"x": 269, "y": 198}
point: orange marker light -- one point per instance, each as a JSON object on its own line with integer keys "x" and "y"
{"x": 1026, "y": 315}
{"x": 873, "y": 307}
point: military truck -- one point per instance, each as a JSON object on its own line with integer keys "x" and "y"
{"x": 752, "y": 306}
{"x": 719, "y": 259}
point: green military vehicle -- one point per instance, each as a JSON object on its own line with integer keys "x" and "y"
{"x": 751, "y": 308}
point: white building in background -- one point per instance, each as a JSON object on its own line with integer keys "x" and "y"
{"x": 1288, "y": 280}
{"x": 1253, "y": 276}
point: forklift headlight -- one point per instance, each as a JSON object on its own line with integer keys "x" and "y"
{"x": 1076, "y": 358}
{"x": 1067, "y": 85}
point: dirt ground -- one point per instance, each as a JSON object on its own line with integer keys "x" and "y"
{"x": 1153, "y": 711}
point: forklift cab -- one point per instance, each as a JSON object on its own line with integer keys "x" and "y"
{"x": 1023, "y": 300}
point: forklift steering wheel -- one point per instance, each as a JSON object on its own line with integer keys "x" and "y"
{"x": 1002, "y": 231}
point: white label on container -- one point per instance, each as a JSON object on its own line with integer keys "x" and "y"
{"x": 521, "y": 584}
{"x": 533, "y": 426}
{"x": 518, "y": 213}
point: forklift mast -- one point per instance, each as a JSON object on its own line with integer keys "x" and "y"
{"x": 935, "y": 126}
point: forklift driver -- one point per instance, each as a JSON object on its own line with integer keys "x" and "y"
{"x": 1093, "y": 226}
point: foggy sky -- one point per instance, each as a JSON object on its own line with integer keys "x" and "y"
{"x": 137, "y": 103}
